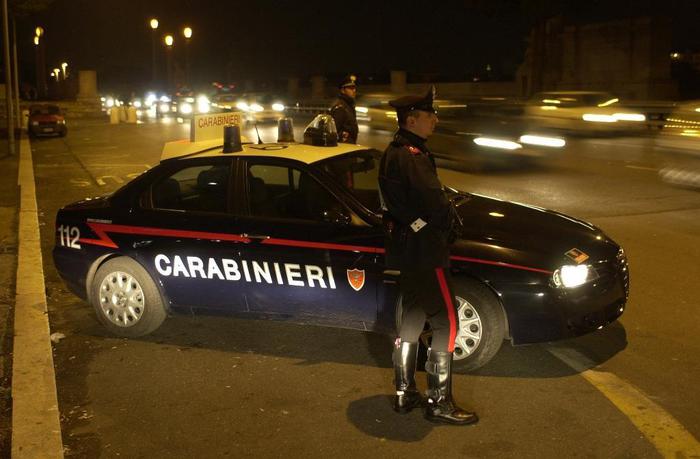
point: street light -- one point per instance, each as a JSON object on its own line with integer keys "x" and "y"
{"x": 57, "y": 73}
{"x": 41, "y": 87}
{"x": 187, "y": 32}
{"x": 154, "y": 72}
{"x": 64, "y": 65}
{"x": 169, "y": 58}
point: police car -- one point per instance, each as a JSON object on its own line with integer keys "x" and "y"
{"x": 292, "y": 231}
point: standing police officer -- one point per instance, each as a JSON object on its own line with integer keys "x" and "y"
{"x": 343, "y": 110}
{"x": 419, "y": 222}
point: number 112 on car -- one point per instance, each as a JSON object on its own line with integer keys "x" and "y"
{"x": 69, "y": 236}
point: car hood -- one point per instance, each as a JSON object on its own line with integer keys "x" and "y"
{"x": 508, "y": 232}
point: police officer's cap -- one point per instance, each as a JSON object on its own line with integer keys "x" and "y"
{"x": 348, "y": 81}
{"x": 407, "y": 104}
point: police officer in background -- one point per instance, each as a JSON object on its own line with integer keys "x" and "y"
{"x": 419, "y": 222}
{"x": 343, "y": 110}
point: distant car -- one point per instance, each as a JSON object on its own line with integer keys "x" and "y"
{"x": 45, "y": 120}
{"x": 187, "y": 105}
{"x": 260, "y": 107}
{"x": 475, "y": 142}
{"x": 581, "y": 111}
{"x": 680, "y": 137}
{"x": 681, "y": 129}
{"x": 224, "y": 102}
{"x": 293, "y": 232}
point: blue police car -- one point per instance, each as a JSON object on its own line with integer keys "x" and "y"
{"x": 293, "y": 231}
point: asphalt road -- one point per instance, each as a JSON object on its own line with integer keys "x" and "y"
{"x": 219, "y": 386}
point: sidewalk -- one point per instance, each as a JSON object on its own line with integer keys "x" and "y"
{"x": 9, "y": 203}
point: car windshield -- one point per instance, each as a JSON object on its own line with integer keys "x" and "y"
{"x": 358, "y": 172}
{"x": 46, "y": 110}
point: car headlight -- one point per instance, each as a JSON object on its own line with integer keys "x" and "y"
{"x": 185, "y": 108}
{"x": 278, "y": 107}
{"x": 629, "y": 117}
{"x": 242, "y": 106}
{"x": 497, "y": 143}
{"x": 543, "y": 141}
{"x": 164, "y": 108}
{"x": 570, "y": 276}
{"x": 256, "y": 107}
{"x": 598, "y": 118}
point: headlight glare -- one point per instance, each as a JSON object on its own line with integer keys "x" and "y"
{"x": 185, "y": 108}
{"x": 570, "y": 276}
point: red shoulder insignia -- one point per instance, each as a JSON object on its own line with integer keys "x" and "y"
{"x": 413, "y": 150}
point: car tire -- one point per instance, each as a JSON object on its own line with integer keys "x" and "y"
{"x": 482, "y": 325}
{"x": 477, "y": 307}
{"x": 125, "y": 298}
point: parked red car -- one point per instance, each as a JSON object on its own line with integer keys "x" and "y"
{"x": 46, "y": 120}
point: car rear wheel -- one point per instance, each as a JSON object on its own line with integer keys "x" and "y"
{"x": 125, "y": 298}
{"x": 481, "y": 328}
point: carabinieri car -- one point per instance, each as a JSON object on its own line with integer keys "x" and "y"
{"x": 293, "y": 231}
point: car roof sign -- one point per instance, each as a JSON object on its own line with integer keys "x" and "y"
{"x": 210, "y": 126}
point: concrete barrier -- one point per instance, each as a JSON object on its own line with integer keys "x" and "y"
{"x": 131, "y": 115}
{"x": 114, "y": 115}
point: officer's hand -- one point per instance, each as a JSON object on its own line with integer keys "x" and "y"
{"x": 344, "y": 136}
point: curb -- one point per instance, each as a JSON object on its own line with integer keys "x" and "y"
{"x": 36, "y": 428}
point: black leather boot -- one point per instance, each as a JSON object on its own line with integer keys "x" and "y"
{"x": 407, "y": 396}
{"x": 440, "y": 407}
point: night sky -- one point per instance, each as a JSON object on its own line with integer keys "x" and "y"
{"x": 269, "y": 41}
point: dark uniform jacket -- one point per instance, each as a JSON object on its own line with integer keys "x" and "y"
{"x": 410, "y": 190}
{"x": 343, "y": 113}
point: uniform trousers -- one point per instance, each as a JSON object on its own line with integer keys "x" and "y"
{"x": 427, "y": 295}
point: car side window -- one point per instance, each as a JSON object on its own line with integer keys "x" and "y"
{"x": 285, "y": 192}
{"x": 201, "y": 188}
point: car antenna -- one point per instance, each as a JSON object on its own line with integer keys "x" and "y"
{"x": 258, "y": 133}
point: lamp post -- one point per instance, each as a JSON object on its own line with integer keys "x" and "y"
{"x": 187, "y": 32}
{"x": 41, "y": 86}
{"x": 154, "y": 68}
{"x": 169, "y": 58}
{"x": 64, "y": 66}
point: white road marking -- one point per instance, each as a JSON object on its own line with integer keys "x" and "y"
{"x": 667, "y": 435}
{"x": 101, "y": 180}
{"x": 81, "y": 183}
{"x": 36, "y": 429}
{"x": 643, "y": 168}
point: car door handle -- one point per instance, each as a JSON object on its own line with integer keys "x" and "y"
{"x": 256, "y": 237}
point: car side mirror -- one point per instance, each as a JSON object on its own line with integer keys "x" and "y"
{"x": 336, "y": 217}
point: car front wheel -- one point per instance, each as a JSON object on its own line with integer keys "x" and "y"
{"x": 481, "y": 327}
{"x": 125, "y": 298}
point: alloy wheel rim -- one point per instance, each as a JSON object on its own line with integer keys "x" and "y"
{"x": 121, "y": 299}
{"x": 469, "y": 332}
